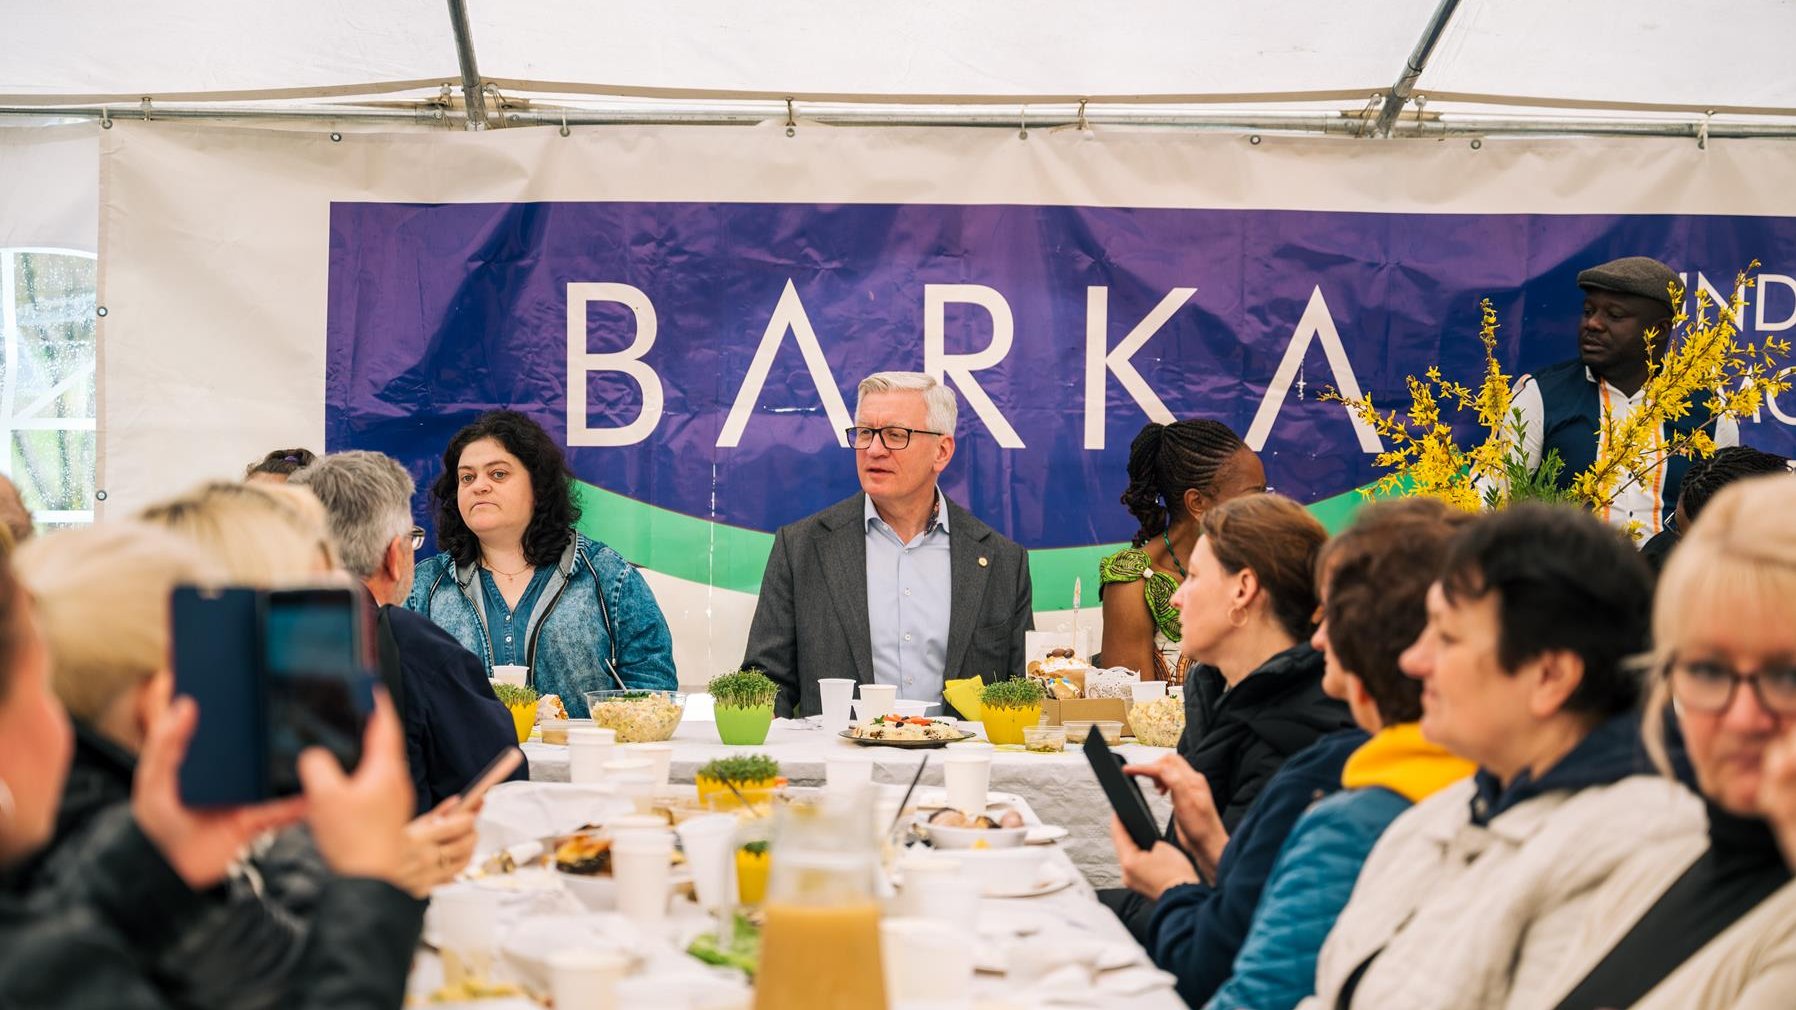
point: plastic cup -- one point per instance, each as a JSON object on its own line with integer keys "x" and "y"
{"x": 838, "y": 694}
{"x": 658, "y": 755}
{"x": 710, "y": 846}
{"x": 588, "y": 749}
{"x": 637, "y": 786}
{"x": 586, "y": 979}
{"x": 640, "y": 865}
{"x": 927, "y": 961}
{"x": 847, "y": 774}
{"x": 466, "y": 920}
{"x": 1147, "y": 690}
{"x": 967, "y": 775}
{"x": 877, "y": 700}
{"x": 506, "y": 674}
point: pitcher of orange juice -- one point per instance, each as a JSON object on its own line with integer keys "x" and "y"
{"x": 820, "y": 945}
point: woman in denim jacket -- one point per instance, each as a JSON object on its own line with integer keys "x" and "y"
{"x": 516, "y": 584}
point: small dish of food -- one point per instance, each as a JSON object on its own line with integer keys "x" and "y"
{"x": 1044, "y": 739}
{"x": 906, "y": 731}
{"x": 995, "y": 829}
{"x": 1078, "y": 729}
{"x": 637, "y": 716}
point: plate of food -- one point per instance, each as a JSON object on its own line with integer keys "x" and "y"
{"x": 906, "y": 731}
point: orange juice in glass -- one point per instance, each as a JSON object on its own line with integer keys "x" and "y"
{"x": 820, "y": 945}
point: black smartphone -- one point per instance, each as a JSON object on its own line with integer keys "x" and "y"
{"x": 494, "y": 773}
{"x": 215, "y": 652}
{"x": 316, "y": 684}
{"x": 1125, "y": 795}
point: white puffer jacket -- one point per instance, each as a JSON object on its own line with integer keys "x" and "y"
{"x": 1485, "y": 917}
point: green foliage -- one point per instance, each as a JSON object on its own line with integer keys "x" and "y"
{"x": 514, "y": 696}
{"x": 1519, "y": 483}
{"x": 746, "y": 688}
{"x": 1018, "y": 692}
{"x": 746, "y": 768}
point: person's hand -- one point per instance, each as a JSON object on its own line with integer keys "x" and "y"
{"x": 440, "y": 844}
{"x": 1149, "y": 872}
{"x": 1777, "y": 792}
{"x": 359, "y": 820}
{"x": 200, "y": 845}
{"x": 1193, "y": 807}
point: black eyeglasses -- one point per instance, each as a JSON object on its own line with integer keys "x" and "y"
{"x": 417, "y": 538}
{"x": 1707, "y": 685}
{"x": 892, "y": 437}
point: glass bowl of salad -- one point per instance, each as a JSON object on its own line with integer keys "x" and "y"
{"x": 637, "y": 716}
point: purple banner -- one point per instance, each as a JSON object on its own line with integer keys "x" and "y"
{"x": 440, "y": 312}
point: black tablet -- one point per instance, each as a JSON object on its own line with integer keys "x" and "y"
{"x": 1125, "y": 796}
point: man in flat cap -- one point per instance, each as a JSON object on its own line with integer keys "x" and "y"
{"x": 1563, "y": 405}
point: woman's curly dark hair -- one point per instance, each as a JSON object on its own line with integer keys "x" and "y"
{"x": 551, "y": 482}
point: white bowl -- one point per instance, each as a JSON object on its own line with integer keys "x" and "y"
{"x": 974, "y": 838}
{"x": 1003, "y": 871}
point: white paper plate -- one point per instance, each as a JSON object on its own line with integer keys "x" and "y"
{"x": 1044, "y": 834}
{"x": 994, "y": 958}
{"x": 1054, "y": 877}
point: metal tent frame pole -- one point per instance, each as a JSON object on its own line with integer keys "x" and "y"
{"x": 472, "y": 97}
{"x": 1433, "y": 126}
{"x": 1396, "y": 98}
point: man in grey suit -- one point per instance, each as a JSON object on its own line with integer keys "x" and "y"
{"x": 897, "y": 585}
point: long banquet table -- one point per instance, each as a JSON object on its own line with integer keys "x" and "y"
{"x": 1060, "y": 787}
{"x": 1066, "y": 919}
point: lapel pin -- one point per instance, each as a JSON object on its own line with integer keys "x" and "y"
{"x": 983, "y": 562}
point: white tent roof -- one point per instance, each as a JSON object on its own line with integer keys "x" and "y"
{"x": 1652, "y": 55}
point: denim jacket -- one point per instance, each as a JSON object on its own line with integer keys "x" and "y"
{"x": 596, "y": 628}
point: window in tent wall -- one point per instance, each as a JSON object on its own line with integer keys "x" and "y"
{"x": 48, "y": 435}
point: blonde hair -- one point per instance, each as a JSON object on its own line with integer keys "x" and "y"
{"x": 941, "y": 408}
{"x": 102, "y": 601}
{"x": 264, "y": 535}
{"x": 1740, "y": 555}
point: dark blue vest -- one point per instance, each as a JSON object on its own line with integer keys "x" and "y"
{"x": 1574, "y": 417}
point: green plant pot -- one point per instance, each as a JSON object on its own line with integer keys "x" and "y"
{"x": 744, "y": 726}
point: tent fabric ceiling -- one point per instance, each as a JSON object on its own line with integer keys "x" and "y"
{"x": 1591, "y": 54}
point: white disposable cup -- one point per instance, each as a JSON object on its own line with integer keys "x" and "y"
{"x": 848, "y": 773}
{"x": 935, "y": 887}
{"x": 618, "y": 826}
{"x": 466, "y": 920}
{"x": 710, "y": 846}
{"x": 927, "y": 961}
{"x": 1147, "y": 690}
{"x": 838, "y": 695}
{"x": 639, "y": 861}
{"x": 637, "y": 786}
{"x": 588, "y": 749}
{"x": 967, "y": 775}
{"x": 506, "y": 674}
{"x": 586, "y": 979}
{"x": 877, "y": 700}
{"x": 658, "y": 755}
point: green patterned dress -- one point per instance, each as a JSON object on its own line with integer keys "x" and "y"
{"x": 1131, "y": 564}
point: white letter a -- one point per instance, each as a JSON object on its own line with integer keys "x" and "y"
{"x": 1316, "y": 323}
{"x": 787, "y": 315}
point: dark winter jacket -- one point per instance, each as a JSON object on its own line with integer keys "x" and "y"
{"x": 1238, "y": 737}
{"x": 238, "y": 952}
{"x": 454, "y": 725}
{"x": 1197, "y": 929}
{"x": 103, "y": 935}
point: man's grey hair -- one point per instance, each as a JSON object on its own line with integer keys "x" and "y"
{"x": 368, "y": 496}
{"x": 943, "y": 406}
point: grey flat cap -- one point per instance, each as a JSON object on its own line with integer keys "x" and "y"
{"x": 1632, "y": 275}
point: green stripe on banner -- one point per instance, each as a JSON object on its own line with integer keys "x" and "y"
{"x": 729, "y": 557}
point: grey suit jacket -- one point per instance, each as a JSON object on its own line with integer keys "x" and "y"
{"x": 811, "y": 620}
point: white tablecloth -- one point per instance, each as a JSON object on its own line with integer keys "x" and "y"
{"x": 1060, "y": 787}
{"x": 1072, "y": 913}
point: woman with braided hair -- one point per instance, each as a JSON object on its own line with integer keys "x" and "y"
{"x": 1706, "y": 476}
{"x": 1176, "y": 472}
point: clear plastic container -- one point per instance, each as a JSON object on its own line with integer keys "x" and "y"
{"x": 1044, "y": 739}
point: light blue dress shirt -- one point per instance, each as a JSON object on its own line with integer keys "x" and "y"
{"x": 908, "y": 596}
